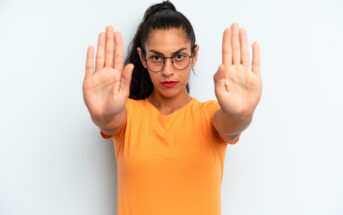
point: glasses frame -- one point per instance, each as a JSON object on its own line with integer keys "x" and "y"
{"x": 164, "y": 61}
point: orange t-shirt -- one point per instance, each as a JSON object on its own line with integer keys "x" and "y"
{"x": 169, "y": 164}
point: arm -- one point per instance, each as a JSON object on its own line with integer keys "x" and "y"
{"x": 238, "y": 86}
{"x": 111, "y": 125}
{"x": 106, "y": 87}
{"x": 229, "y": 127}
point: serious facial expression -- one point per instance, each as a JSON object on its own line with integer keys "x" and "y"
{"x": 168, "y": 43}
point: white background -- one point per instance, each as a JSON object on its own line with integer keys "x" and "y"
{"x": 288, "y": 161}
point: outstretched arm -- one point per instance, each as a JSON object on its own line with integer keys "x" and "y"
{"x": 106, "y": 87}
{"x": 238, "y": 87}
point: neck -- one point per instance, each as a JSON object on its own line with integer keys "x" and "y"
{"x": 169, "y": 104}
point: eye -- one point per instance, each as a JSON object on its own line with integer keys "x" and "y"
{"x": 155, "y": 58}
{"x": 179, "y": 57}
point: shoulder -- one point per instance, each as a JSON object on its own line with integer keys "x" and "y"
{"x": 133, "y": 108}
{"x": 208, "y": 107}
{"x": 205, "y": 110}
{"x": 134, "y": 101}
{"x": 134, "y": 104}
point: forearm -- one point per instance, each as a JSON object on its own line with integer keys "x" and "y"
{"x": 230, "y": 127}
{"x": 110, "y": 124}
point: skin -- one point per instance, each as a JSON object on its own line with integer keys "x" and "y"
{"x": 167, "y": 42}
{"x": 238, "y": 86}
{"x": 106, "y": 88}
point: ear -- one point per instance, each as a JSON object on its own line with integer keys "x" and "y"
{"x": 195, "y": 55}
{"x": 139, "y": 50}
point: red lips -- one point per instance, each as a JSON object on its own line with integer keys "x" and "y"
{"x": 169, "y": 83}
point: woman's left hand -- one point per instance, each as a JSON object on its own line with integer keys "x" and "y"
{"x": 238, "y": 87}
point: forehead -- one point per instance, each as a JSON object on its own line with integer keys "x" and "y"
{"x": 167, "y": 41}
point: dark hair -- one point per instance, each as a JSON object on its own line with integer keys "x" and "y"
{"x": 158, "y": 16}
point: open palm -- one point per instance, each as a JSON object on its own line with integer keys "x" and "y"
{"x": 106, "y": 90}
{"x": 238, "y": 87}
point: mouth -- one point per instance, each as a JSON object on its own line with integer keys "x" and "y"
{"x": 169, "y": 83}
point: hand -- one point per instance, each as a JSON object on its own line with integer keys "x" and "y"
{"x": 105, "y": 91}
{"x": 237, "y": 87}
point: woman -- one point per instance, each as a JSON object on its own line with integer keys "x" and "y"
{"x": 169, "y": 147}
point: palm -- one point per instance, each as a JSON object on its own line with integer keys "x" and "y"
{"x": 106, "y": 90}
{"x": 237, "y": 87}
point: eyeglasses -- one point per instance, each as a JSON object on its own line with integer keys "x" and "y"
{"x": 155, "y": 63}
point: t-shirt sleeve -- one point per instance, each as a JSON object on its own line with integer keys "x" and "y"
{"x": 210, "y": 108}
{"x": 105, "y": 136}
{"x": 117, "y": 134}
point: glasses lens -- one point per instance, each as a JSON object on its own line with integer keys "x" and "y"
{"x": 181, "y": 61}
{"x": 155, "y": 63}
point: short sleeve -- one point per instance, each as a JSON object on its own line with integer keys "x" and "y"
{"x": 105, "y": 136}
{"x": 210, "y": 108}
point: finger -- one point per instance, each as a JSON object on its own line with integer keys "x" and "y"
{"x": 119, "y": 51}
{"x": 256, "y": 58}
{"x": 244, "y": 47}
{"x": 220, "y": 78}
{"x": 220, "y": 74}
{"x": 235, "y": 44}
{"x": 126, "y": 78}
{"x": 89, "y": 62}
{"x": 226, "y": 47}
{"x": 100, "y": 54}
{"x": 109, "y": 46}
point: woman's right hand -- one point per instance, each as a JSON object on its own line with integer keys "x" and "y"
{"x": 106, "y": 90}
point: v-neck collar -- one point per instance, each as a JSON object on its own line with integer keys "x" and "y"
{"x": 173, "y": 113}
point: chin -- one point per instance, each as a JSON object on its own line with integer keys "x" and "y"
{"x": 169, "y": 93}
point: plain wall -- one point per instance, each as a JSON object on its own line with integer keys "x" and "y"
{"x": 288, "y": 161}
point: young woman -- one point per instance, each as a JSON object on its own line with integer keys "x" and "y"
{"x": 169, "y": 147}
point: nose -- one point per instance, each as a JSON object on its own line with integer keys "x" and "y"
{"x": 168, "y": 67}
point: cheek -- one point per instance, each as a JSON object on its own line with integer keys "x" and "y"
{"x": 185, "y": 76}
{"x": 154, "y": 78}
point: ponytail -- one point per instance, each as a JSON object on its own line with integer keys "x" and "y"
{"x": 158, "y": 16}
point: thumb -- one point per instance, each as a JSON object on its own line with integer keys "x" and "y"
{"x": 126, "y": 77}
{"x": 219, "y": 76}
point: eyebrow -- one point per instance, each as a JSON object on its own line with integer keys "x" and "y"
{"x": 152, "y": 50}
